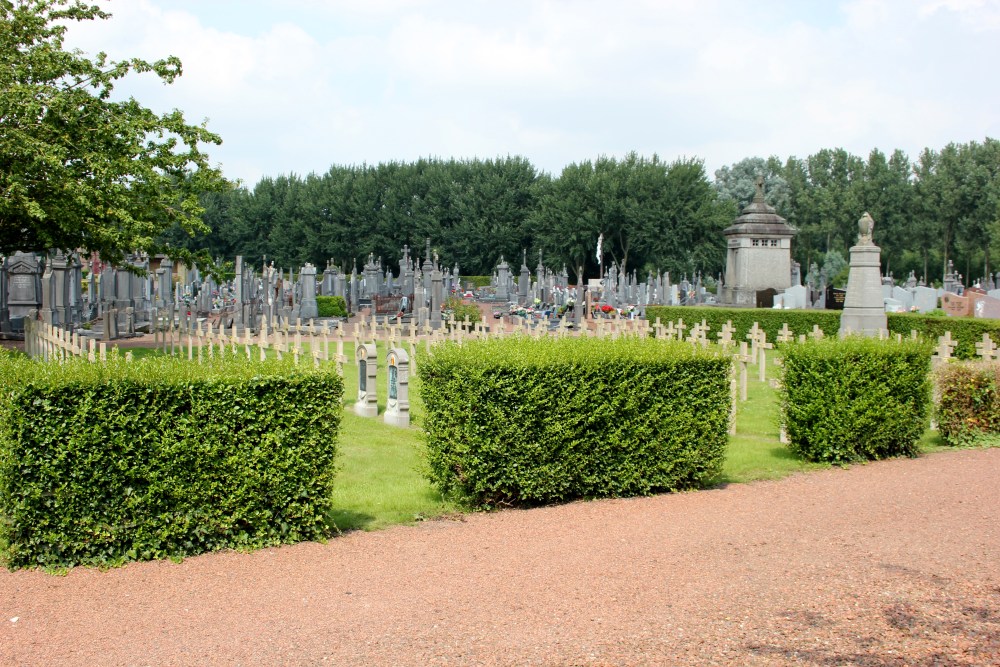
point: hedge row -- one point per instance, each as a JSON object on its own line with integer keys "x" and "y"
{"x": 106, "y": 463}
{"x": 966, "y": 330}
{"x": 855, "y": 399}
{"x": 522, "y": 421}
{"x": 331, "y": 306}
{"x": 969, "y": 406}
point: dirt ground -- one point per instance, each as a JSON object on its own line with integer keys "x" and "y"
{"x": 891, "y": 563}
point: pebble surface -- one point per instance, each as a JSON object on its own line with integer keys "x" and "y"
{"x": 890, "y": 563}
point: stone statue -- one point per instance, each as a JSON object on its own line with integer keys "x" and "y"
{"x": 865, "y": 227}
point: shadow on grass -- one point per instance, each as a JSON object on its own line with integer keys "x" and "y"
{"x": 347, "y": 520}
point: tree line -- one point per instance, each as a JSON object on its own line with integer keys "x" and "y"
{"x": 653, "y": 215}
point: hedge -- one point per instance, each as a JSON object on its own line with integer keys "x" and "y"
{"x": 331, "y": 306}
{"x": 106, "y": 463}
{"x": 855, "y": 399}
{"x": 523, "y": 421}
{"x": 966, "y": 330}
{"x": 769, "y": 319}
{"x": 476, "y": 281}
{"x": 969, "y": 407}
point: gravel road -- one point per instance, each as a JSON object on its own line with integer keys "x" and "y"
{"x": 891, "y": 563}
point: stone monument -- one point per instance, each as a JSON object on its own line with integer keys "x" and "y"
{"x": 864, "y": 308}
{"x": 759, "y": 254}
{"x": 397, "y": 409}
{"x": 367, "y": 403}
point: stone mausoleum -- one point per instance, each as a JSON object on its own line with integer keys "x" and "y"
{"x": 759, "y": 253}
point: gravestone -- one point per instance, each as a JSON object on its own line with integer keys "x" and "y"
{"x": 835, "y": 298}
{"x": 893, "y": 306}
{"x": 925, "y": 299}
{"x": 24, "y": 286}
{"x": 903, "y": 296}
{"x": 864, "y": 308}
{"x": 307, "y": 278}
{"x": 397, "y": 411}
{"x": 956, "y": 306}
{"x": 987, "y": 307}
{"x": 796, "y": 297}
{"x": 367, "y": 403}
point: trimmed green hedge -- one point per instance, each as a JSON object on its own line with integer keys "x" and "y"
{"x": 477, "y": 281}
{"x": 331, "y": 306}
{"x": 966, "y": 330}
{"x": 969, "y": 408}
{"x": 768, "y": 319}
{"x": 461, "y": 310}
{"x": 106, "y": 463}
{"x": 521, "y": 421}
{"x": 855, "y": 399}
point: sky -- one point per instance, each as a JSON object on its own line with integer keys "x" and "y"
{"x": 297, "y": 86}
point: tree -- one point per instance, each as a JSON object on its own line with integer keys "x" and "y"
{"x": 77, "y": 169}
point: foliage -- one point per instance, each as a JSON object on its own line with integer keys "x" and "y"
{"x": 476, "y": 281}
{"x": 462, "y": 310}
{"x": 106, "y": 463}
{"x": 768, "y": 319}
{"x": 331, "y": 306}
{"x": 77, "y": 169}
{"x": 967, "y": 331}
{"x": 855, "y": 399}
{"x": 523, "y": 421}
{"x": 969, "y": 406}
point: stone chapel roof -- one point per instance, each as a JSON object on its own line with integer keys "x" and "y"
{"x": 760, "y": 219}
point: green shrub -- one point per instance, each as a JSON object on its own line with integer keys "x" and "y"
{"x": 522, "y": 421}
{"x": 967, "y": 331}
{"x": 968, "y": 411}
{"x": 106, "y": 463}
{"x": 331, "y": 306}
{"x": 769, "y": 319}
{"x": 476, "y": 281}
{"x": 855, "y": 399}
{"x": 463, "y": 310}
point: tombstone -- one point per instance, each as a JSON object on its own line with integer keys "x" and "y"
{"x": 986, "y": 307}
{"x": 367, "y": 403}
{"x": 523, "y": 281}
{"x": 894, "y": 306}
{"x": 24, "y": 287}
{"x": 437, "y": 298}
{"x": 397, "y": 411}
{"x": 925, "y": 299}
{"x": 835, "y": 298}
{"x": 864, "y": 307}
{"x": 903, "y": 296}
{"x": 307, "y": 278}
{"x": 957, "y": 306}
{"x": 796, "y": 297}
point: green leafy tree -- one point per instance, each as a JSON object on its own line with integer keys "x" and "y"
{"x": 79, "y": 170}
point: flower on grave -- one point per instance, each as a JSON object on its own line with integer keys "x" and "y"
{"x": 606, "y": 308}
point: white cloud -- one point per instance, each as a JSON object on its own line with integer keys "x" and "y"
{"x": 321, "y": 82}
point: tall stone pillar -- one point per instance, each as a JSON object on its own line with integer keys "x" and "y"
{"x": 307, "y": 276}
{"x": 864, "y": 309}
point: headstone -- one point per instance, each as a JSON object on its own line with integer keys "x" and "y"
{"x": 956, "y": 306}
{"x": 925, "y": 299}
{"x": 864, "y": 308}
{"x": 893, "y": 306}
{"x": 308, "y": 309}
{"x": 367, "y": 403}
{"x": 903, "y": 296}
{"x": 987, "y": 307}
{"x": 796, "y": 297}
{"x": 24, "y": 285}
{"x": 397, "y": 411}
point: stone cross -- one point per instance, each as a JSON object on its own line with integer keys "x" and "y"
{"x": 726, "y": 335}
{"x": 817, "y": 333}
{"x": 762, "y": 347}
{"x": 945, "y": 347}
{"x": 680, "y": 329}
{"x": 743, "y": 358}
{"x": 986, "y": 349}
{"x": 785, "y": 335}
{"x": 752, "y": 336}
{"x": 671, "y": 331}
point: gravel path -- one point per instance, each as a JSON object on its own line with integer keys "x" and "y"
{"x": 892, "y": 563}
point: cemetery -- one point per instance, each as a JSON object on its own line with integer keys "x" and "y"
{"x": 641, "y": 391}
